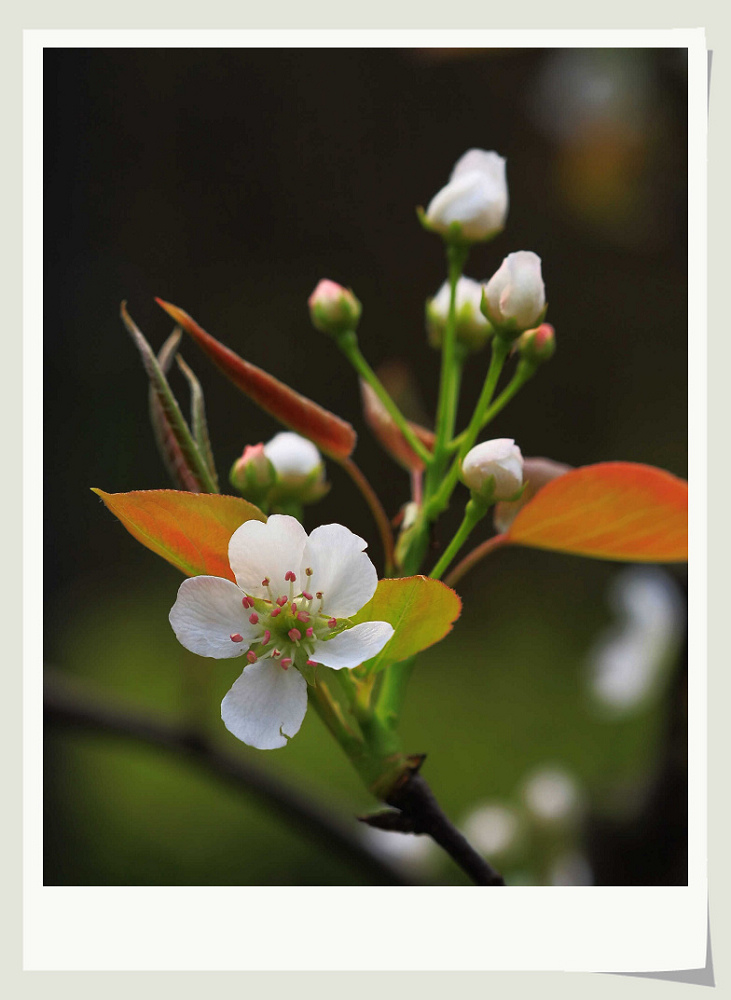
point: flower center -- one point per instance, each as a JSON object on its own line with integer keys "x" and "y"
{"x": 288, "y": 626}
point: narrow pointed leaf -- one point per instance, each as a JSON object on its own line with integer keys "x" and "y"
{"x": 334, "y": 436}
{"x": 421, "y": 610}
{"x": 177, "y": 425}
{"x": 167, "y": 443}
{"x": 613, "y": 510}
{"x": 200, "y": 424}
{"x": 381, "y": 423}
{"x": 189, "y": 530}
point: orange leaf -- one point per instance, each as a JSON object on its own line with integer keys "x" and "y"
{"x": 190, "y": 530}
{"x": 613, "y": 510}
{"x": 334, "y": 436}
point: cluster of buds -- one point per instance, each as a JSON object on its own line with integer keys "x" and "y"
{"x": 287, "y": 470}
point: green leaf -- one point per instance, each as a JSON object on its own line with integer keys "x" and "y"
{"x": 421, "y": 610}
{"x": 200, "y": 424}
{"x": 193, "y": 461}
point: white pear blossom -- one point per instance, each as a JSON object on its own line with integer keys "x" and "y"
{"x": 294, "y": 458}
{"x": 472, "y": 328}
{"x": 500, "y": 458}
{"x": 476, "y": 197}
{"x": 515, "y": 295}
{"x": 288, "y": 610}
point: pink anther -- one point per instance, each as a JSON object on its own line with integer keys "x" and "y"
{"x": 286, "y": 662}
{"x": 308, "y": 571}
{"x": 274, "y": 612}
{"x": 265, "y": 582}
{"x": 307, "y": 597}
{"x": 254, "y": 618}
{"x": 332, "y": 622}
{"x": 294, "y": 634}
{"x": 235, "y": 637}
{"x": 318, "y": 595}
{"x": 312, "y": 663}
{"x": 302, "y": 616}
{"x": 247, "y": 602}
{"x": 289, "y": 576}
{"x": 281, "y": 601}
{"x": 310, "y": 633}
{"x": 251, "y": 656}
{"x": 267, "y": 636}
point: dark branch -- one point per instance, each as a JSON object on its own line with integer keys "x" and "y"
{"x": 422, "y": 814}
{"x": 66, "y": 705}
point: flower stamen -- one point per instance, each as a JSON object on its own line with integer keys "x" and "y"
{"x": 235, "y": 637}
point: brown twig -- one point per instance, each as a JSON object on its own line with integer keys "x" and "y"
{"x": 66, "y": 704}
{"x": 473, "y": 557}
{"x": 376, "y": 507}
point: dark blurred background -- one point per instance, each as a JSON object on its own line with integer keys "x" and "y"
{"x": 229, "y": 182}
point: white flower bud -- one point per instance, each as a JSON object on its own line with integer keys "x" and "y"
{"x": 472, "y": 328}
{"x": 476, "y": 197}
{"x": 334, "y": 309}
{"x": 500, "y": 458}
{"x": 299, "y": 468}
{"x": 515, "y": 296}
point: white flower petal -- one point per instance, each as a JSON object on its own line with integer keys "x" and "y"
{"x": 353, "y": 646}
{"x": 341, "y": 569}
{"x": 293, "y": 457}
{"x": 258, "y": 551}
{"x": 265, "y": 705}
{"x": 205, "y": 615}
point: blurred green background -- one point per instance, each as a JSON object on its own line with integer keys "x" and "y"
{"x": 229, "y": 182}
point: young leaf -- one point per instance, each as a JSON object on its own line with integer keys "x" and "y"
{"x": 190, "y": 530}
{"x": 167, "y": 443}
{"x": 613, "y": 510}
{"x": 185, "y": 445}
{"x": 421, "y": 611}
{"x": 200, "y": 424}
{"x": 382, "y": 424}
{"x": 333, "y": 436}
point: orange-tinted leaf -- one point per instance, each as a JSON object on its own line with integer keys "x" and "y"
{"x": 190, "y": 530}
{"x": 613, "y": 510}
{"x": 421, "y": 611}
{"x": 334, "y": 436}
{"x": 381, "y": 423}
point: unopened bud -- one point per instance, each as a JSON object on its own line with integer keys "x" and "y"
{"x": 472, "y": 329}
{"x": 474, "y": 204}
{"x": 298, "y": 467}
{"x": 252, "y": 474}
{"x": 494, "y": 469}
{"x": 537, "y": 473}
{"x": 539, "y": 345}
{"x": 515, "y": 297}
{"x": 334, "y": 309}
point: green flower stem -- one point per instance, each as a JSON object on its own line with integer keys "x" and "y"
{"x": 474, "y": 512}
{"x": 348, "y": 344}
{"x": 390, "y": 699}
{"x": 524, "y": 372}
{"x": 457, "y": 254}
{"x": 500, "y": 351}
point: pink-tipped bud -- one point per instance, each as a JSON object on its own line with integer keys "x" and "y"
{"x": 253, "y": 473}
{"x": 235, "y": 637}
{"x": 251, "y": 656}
{"x": 254, "y": 618}
{"x": 294, "y": 634}
{"x": 539, "y": 345}
{"x": 334, "y": 309}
